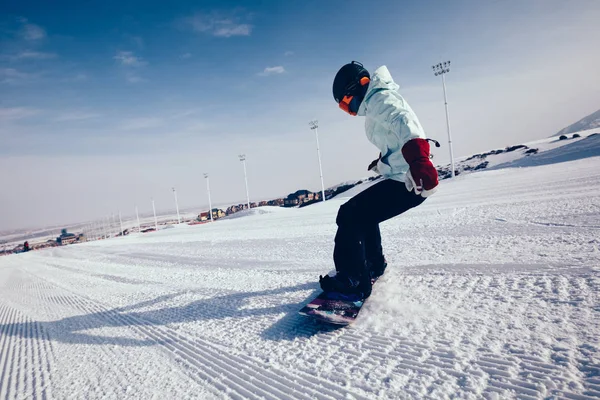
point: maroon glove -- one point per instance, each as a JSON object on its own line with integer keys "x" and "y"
{"x": 423, "y": 176}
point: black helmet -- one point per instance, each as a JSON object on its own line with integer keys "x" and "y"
{"x": 347, "y": 80}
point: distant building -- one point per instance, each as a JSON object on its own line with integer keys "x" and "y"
{"x": 299, "y": 197}
{"x": 239, "y": 207}
{"x": 69, "y": 238}
{"x": 203, "y": 216}
{"x": 218, "y": 213}
{"x": 277, "y": 202}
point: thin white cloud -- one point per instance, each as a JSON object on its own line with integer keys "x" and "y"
{"x": 288, "y": 53}
{"x": 186, "y": 56}
{"x": 219, "y": 25}
{"x": 183, "y": 113}
{"x": 128, "y": 59}
{"x": 273, "y": 71}
{"x": 12, "y": 75}
{"x": 33, "y": 55}
{"x": 31, "y": 31}
{"x": 229, "y": 29}
{"x": 76, "y": 116}
{"x": 14, "y": 113}
{"x": 134, "y": 78}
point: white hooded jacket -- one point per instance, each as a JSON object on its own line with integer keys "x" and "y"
{"x": 389, "y": 123}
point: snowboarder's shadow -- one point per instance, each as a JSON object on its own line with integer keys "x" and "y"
{"x": 294, "y": 325}
{"x": 76, "y": 329}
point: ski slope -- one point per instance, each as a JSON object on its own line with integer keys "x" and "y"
{"x": 492, "y": 292}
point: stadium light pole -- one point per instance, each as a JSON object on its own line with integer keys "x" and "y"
{"x": 442, "y": 69}
{"x": 137, "y": 215}
{"x": 177, "y": 206}
{"x": 209, "y": 201}
{"x": 314, "y": 125}
{"x": 155, "y": 220}
{"x": 242, "y": 158}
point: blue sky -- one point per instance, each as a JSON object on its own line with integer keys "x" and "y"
{"x": 111, "y": 103}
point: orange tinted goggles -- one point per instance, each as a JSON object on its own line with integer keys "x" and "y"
{"x": 345, "y": 104}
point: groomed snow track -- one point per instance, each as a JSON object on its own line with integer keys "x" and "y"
{"x": 493, "y": 292}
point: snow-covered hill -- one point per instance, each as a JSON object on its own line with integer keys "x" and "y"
{"x": 550, "y": 150}
{"x": 591, "y": 121}
{"x": 527, "y": 154}
{"x": 493, "y": 291}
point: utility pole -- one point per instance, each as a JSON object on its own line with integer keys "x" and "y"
{"x": 242, "y": 158}
{"x": 177, "y": 206}
{"x": 442, "y": 69}
{"x": 209, "y": 201}
{"x": 314, "y": 125}
{"x": 155, "y": 220}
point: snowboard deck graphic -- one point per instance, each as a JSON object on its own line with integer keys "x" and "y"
{"x": 334, "y": 308}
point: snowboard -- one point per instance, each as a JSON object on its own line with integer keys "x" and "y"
{"x": 334, "y": 308}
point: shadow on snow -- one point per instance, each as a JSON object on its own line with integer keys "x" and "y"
{"x": 68, "y": 330}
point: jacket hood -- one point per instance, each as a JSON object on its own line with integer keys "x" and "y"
{"x": 381, "y": 79}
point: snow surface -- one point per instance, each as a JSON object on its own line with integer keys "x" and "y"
{"x": 492, "y": 292}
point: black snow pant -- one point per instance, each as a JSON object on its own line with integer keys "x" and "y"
{"x": 358, "y": 240}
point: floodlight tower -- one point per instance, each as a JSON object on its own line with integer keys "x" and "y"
{"x": 155, "y": 220}
{"x": 209, "y": 201}
{"x": 177, "y": 206}
{"x": 442, "y": 69}
{"x": 242, "y": 158}
{"x": 314, "y": 125}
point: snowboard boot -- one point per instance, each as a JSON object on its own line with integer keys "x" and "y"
{"x": 345, "y": 284}
{"x": 376, "y": 270}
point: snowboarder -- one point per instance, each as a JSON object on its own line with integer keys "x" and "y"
{"x": 404, "y": 162}
{"x": 26, "y": 247}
